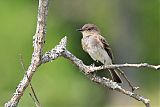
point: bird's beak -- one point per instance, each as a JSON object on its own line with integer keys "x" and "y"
{"x": 80, "y": 30}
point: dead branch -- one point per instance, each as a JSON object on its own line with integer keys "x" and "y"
{"x": 86, "y": 70}
{"x": 35, "y": 98}
{"x": 157, "y": 67}
{"x": 60, "y": 50}
{"x": 38, "y": 43}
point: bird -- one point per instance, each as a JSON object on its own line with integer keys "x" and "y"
{"x": 98, "y": 48}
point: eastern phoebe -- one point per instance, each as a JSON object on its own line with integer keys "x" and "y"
{"x": 98, "y": 48}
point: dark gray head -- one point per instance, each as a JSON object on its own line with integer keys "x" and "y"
{"x": 89, "y": 28}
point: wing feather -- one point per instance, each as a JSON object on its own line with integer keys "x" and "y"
{"x": 106, "y": 47}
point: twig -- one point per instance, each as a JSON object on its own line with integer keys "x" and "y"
{"x": 32, "y": 89}
{"x": 126, "y": 78}
{"x": 54, "y": 53}
{"x": 35, "y": 96}
{"x": 157, "y": 67}
{"x": 37, "y": 105}
{"x": 60, "y": 50}
{"x": 103, "y": 81}
{"x": 38, "y": 43}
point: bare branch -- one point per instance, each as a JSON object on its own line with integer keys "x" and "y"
{"x": 126, "y": 78}
{"x": 32, "y": 89}
{"x": 38, "y": 43}
{"x": 157, "y": 67}
{"x": 103, "y": 81}
{"x": 60, "y": 50}
{"x": 55, "y": 52}
{"x": 34, "y": 100}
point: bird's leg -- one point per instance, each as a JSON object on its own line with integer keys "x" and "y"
{"x": 104, "y": 64}
{"x": 129, "y": 83}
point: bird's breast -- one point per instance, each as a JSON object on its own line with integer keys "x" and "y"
{"x": 94, "y": 49}
{"x": 87, "y": 43}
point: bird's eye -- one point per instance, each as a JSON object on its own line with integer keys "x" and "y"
{"x": 89, "y": 28}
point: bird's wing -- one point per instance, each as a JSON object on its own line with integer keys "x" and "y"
{"x": 106, "y": 46}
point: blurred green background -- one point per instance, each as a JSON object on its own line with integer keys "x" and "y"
{"x": 131, "y": 27}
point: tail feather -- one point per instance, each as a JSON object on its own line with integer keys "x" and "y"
{"x": 115, "y": 75}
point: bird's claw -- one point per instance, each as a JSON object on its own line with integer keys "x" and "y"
{"x": 134, "y": 88}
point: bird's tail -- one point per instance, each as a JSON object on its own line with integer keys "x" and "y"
{"x": 115, "y": 75}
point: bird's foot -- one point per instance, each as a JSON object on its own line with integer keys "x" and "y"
{"x": 134, "y": 88}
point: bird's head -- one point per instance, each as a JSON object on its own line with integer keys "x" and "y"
{"x": 89, "y": 29}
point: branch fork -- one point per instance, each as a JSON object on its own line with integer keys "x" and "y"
{"x": 60, "y": 50}
{"x": 87, "y": 70}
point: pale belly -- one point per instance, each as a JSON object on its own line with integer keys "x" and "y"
{"x": 96, "y": 52}
{"x": 99, "y": 54}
